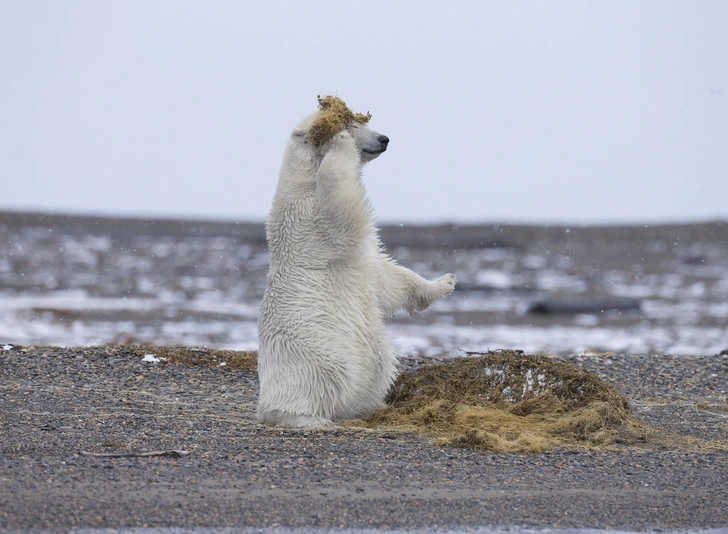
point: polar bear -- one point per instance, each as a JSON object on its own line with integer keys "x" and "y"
{"x": 324, "y": 353}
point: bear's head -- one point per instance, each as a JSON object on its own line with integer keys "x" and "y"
{"x": 334, "y": 117}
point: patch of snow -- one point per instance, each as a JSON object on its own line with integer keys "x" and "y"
{"x": 491, "y": 254}
{"x": 696, "y": 290}
{"x": 494, "y": 279}
{"x": 80, "y": 300}
{"x": 586, "y": 319}
{"x": 533, "y": 261}
{"x": 412, "y": 344}
{"x": 642, "y": 338}
{"x": 555, "y": 280}
{"x": 465, "y": 303}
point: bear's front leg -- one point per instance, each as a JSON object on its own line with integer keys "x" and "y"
{"x": 434, "y": 290}
{"x": 344, "y": 213}
{"x": 403, "y": 289}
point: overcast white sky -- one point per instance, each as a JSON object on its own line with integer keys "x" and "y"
{"x": 575, "y": 111}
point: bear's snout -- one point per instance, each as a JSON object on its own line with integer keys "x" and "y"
{"x": 376, "y": 145}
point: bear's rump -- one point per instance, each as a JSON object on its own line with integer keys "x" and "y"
{"x": 317, "y": 377}
{"x": 328, "y": 361}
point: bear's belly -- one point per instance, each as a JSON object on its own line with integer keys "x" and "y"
{"x": 341, "y": 301}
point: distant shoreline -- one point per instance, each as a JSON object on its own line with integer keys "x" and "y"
{"x": 29, "y": 216}
{"x": 455, "y": 235}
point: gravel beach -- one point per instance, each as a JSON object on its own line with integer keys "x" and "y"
{"x": 56, "y": 402}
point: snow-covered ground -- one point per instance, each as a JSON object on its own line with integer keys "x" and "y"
{"x": 69, "y": 288}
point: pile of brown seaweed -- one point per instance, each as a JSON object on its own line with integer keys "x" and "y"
{"x": 335, "y": 116}
{"x": 510, "y": 402}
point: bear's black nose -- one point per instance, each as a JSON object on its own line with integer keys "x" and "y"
{"x": 383, "y": 139}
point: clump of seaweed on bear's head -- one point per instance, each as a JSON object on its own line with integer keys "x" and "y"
{"x": 335, "y": 117}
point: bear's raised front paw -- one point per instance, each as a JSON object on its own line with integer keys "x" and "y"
{"x": 446, "y": 284}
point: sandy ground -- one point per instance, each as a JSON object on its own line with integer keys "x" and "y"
{"x": 55, "y": 403}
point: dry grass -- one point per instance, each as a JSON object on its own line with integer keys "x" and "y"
{"x": 510, "y": 402}
{"x": 230, "y": 359}
{"x": 335, "y": 117}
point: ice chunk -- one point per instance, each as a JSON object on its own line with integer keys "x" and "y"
{"x": 586, "y": 319}
{"x": 494, "y": 279}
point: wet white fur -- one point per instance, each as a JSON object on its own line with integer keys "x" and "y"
{"x": 324, "y": 353}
